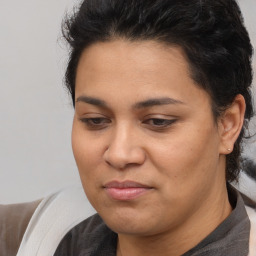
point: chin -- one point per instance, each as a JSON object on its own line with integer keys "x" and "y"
{"x": 129, "y": 222}
{"x": 132, "y": 228}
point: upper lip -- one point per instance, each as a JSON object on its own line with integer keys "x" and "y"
{"x": 125, "y": 184}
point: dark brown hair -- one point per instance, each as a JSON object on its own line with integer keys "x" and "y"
{"x": 211, "y": 33}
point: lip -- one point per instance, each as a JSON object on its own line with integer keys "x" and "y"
{"x": 125, "y": 190}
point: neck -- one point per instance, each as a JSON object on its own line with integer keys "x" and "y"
{"x": 180, "y": 239}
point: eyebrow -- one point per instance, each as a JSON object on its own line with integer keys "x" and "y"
{"x": 142, "y": 104}
{"x": 157, "y": 102}
{"x": 92, "y": 101}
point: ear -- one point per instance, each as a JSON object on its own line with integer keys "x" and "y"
{"x": 230, "y": 124}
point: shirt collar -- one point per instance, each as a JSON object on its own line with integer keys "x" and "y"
{"x": 231, "y": 237}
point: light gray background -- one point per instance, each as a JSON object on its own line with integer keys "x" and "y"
{"x": 35, "y": 110}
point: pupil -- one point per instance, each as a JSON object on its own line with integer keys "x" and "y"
{"x": 97, "y": 120}
{"x": 158, "y": 121}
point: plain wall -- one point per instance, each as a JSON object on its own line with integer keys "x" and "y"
{"x": 35, "y": 109}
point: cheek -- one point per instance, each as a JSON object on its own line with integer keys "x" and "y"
{"x": 86, "y": 151}
{"x": 187, "y": 155}
{"x": 187, "y": 166}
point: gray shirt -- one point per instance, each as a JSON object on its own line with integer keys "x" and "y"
{"x": 231, "y": 238}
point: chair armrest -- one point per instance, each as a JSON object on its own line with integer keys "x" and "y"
{"x": 14, "y": 219}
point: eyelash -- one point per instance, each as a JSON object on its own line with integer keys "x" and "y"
{"x": 162, "y": 123}
{"x": 94, "y": 122}
{"x": 98, "y": 123}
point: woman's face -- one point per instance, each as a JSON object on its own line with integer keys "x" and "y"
{"x": 144, "y": 137}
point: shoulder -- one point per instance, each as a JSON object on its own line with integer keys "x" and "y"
{"x": 14, "y": 219}
{"x": 251, "y": 211}
{"x": 250, "y": 206}
{"x": 53, "y": 218}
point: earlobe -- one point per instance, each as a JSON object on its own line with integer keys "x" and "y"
{"x": 231, "y": 123}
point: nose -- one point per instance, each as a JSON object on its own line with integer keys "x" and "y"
{"x": 124, "y": 149}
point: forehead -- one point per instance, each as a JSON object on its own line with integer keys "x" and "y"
{"x": 139, "y": 69}
{"x": 138, "y": 56}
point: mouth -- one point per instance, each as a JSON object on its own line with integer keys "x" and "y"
{"x": 126, "y": 190}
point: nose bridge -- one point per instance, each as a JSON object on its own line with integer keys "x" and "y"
{"x": 122, "y": 139}
{"x": 124, "y": 147}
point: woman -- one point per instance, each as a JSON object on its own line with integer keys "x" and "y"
{"x": 161, "y": 91}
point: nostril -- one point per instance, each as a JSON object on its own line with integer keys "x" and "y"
{"x": 123, "y": 166}
{"x": 122, "y": 159}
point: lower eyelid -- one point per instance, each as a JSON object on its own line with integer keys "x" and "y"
{"x": 90, "y": 125}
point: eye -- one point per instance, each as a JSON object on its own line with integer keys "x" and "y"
{"x": 96, "y": 123}
{"x": 159, "y": 122}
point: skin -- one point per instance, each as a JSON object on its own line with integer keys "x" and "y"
{"x": 174, "y": 147}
